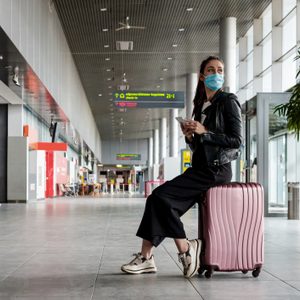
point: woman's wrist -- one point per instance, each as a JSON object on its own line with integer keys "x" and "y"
{"x": 189, "y": 137}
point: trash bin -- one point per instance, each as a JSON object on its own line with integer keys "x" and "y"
{"x": 293, "y": 200}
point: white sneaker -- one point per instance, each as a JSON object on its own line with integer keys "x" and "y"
{"x": 140, "y": 265}
{"x": 191, "y": 259}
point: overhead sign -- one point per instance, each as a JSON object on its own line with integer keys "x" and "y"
{"x": 149, "y": 99}
{"x": 127, "y": 156}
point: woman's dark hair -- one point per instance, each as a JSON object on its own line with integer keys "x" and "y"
{"x": 200, "y": 95}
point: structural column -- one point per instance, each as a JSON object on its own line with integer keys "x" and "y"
{"x": 298, "y": 34}
{"x": 15, "y": 120}
{"x": 242, "y": 93}
{"x": 163, "y": 138}
{"x": 228, "y": 51}
{"x": 257, "y": 56}
{"x": 173, "y": 133}
{"x": 3, "y": 153}
{"x": 191, "y": 85}
{"x": 277, "y": 7}
{"x": 150, "y": 152}
{"x": 156, "y": 147}
{"x": 17, "y": 156}
{"x": 228, "y": 54}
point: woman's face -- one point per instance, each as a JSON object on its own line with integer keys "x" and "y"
{"x": 213, "y": 67}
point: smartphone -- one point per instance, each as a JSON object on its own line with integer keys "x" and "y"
{"x": 180, "y": 120}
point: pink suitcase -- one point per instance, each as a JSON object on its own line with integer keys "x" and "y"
{"x": 232, "y": 222}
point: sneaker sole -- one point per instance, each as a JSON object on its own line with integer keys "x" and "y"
{"x": 142, "y": 271}
{"x": 197, "y": 265}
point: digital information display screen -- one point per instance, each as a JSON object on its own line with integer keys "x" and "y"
{"x": 127, "y": 156}
{"x": 149, "y": 99}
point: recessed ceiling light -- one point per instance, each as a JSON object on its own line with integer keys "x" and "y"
{"x": 100, "y": 95}
{"x": 106, "y": 46}
{"x": 181, "y": 29}
{"x": 165, "y": 69}
{"x": 109, "y": 79}
{"x": 103, "y": 9}
{"x": 108, "y": 70}
{"x": 110, "y": 99}
{"x": 170, "y": 58}
{"x": 110, "y": 94}
{"x": 175, "y": 45}
{"x": 161, "y": 78}
{"x": 109, "y": 86}
{"x": 189, "y": 9}
{"x": 107, "y": 58}
{"x": 105, "y": 29}
{"x": 1, "y": 57}
{"x": 158, "y": 86}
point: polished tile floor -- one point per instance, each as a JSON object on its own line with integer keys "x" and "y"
{"x": 72, "y": 248}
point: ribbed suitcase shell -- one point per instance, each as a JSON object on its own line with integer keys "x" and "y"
{"x": 233, "y": 228}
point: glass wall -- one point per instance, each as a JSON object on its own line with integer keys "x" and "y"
{"x": 272, "y": 153}
{"x": 266, "y": 150}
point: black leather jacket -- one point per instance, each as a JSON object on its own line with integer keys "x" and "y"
{"x": 221, "y": 143}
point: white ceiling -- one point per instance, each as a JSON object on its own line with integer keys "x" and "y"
{"x": 83, "y": 23}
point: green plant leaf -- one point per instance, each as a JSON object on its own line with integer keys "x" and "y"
{"x": 291, "y": 110}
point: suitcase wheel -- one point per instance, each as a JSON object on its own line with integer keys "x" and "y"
{"x": 208, "y": 274}
{"x": 201, "y": 270}
{"x": 256, "y": 272}
{"x": 245, "y": 271}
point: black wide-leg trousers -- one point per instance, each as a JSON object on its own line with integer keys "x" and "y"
{"x": 171, "y": 200}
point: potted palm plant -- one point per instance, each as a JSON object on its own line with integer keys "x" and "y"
{"x": 291, "y": 109}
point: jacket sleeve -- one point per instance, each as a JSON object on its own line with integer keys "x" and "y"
{"x": 232, "y": 136}
{"x": 191, "y": 143}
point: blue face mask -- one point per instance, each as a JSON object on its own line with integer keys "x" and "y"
{"x": 214, "y": 81}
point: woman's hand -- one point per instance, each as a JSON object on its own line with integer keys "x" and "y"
{"x": 186, "y": 131}
{"x": 195, "y": 127}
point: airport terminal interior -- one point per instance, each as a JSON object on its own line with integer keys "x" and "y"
{"x": 90, "y": 93}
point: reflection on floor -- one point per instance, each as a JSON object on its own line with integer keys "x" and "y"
{"x": 72, "y": 248}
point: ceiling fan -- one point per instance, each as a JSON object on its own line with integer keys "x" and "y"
{"x": 127, "y": 26}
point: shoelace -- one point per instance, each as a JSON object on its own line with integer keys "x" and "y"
{"x": 182, "y": 259}
{"x": 136, "y": 256}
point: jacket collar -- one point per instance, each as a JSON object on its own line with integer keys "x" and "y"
{"x": 217, "y": 96}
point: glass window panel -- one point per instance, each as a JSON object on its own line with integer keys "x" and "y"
{"x": 267, "y": 21}
{"x": 289, "y": 34}
{"x": 289, "y": 72}
{"x": 267, "y": 81}
{"x": 237, "y": 53}
{"x": 237, "y": 78}
{"x": 250, "y": 91}
{"x": 250, "y": 67}
{"x": 42, "y": 131}
{"x": 250, "y": 40}
{"x": 267, "y": 53}
{"x": 288, "y": 5}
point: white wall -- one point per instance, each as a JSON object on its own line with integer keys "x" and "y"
{"x": 38, "y": 35}
{"x": 111, "y": 148}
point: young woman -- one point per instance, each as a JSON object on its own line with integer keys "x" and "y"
{"x": 214, "y": 137}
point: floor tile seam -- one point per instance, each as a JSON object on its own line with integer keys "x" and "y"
{"x": 283, "y": 281}
{"x": 98, "y": 273}
{"x": 22, "y": 264}
{"x": 194, "y": 287}
{"x": 108, "y": 222}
